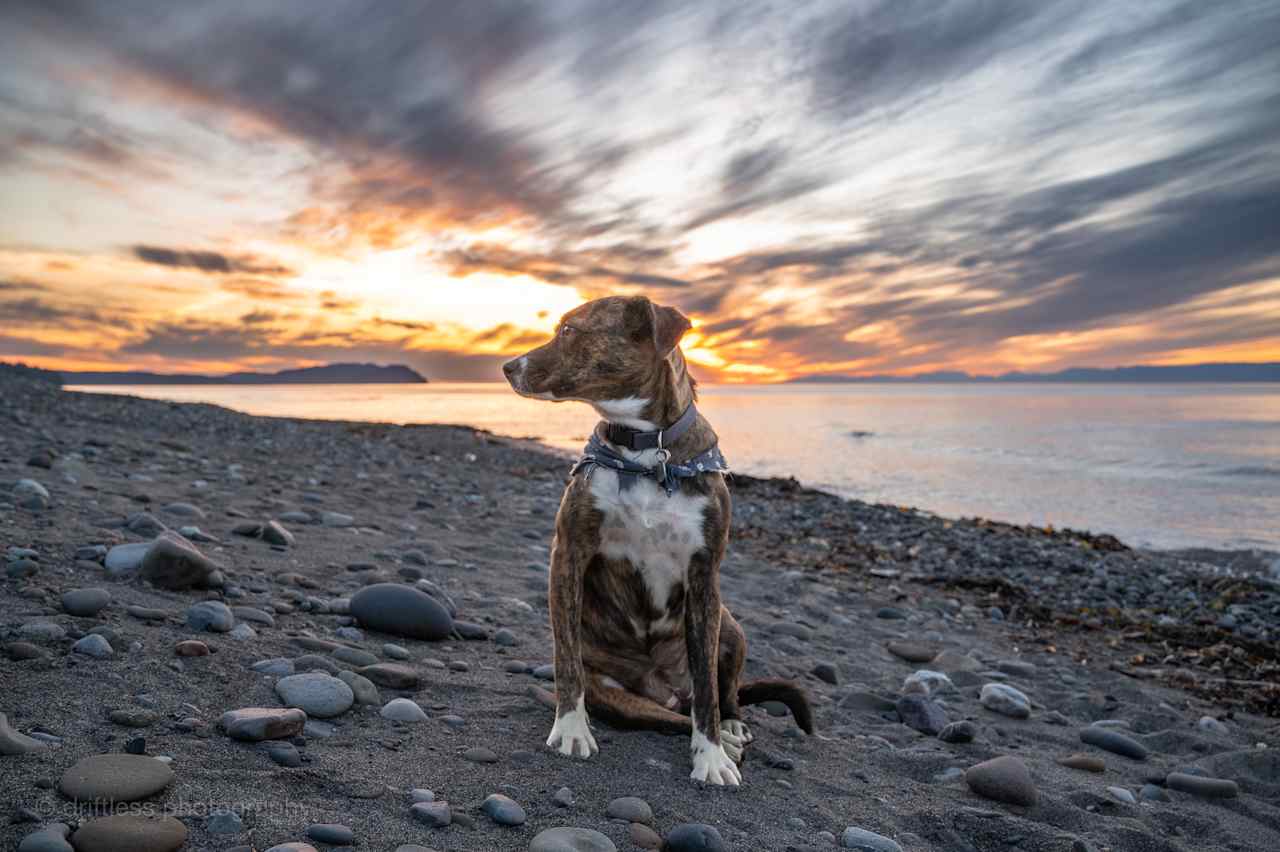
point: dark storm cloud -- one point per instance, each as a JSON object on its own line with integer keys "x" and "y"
{"x": 208, "y": 261}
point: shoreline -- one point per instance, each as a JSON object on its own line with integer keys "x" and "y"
{"x": 848, "y": 598}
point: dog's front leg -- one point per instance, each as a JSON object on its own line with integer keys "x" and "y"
{"x": 702, "y": 638}
{"x": 570, "y": 553}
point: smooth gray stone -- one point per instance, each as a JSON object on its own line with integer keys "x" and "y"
{"x": 403, "y": 710}
{"x": 331, "y": 833}
{"x": 51, "y": 838}
{"x": 630, "y": 808}
{"x": 255, "y": 724}
{"x": 172, "y": 562}
{"x": 85, "y": 602}
{"x": 433, "y": 814}
{"x": 503, "y": 810}
{"x": 571, "y": 840}
{"x": 401, "y": 610}
{"x": 124, "y": 559}
{"x": 1004, "y": 779}
{"x": 94, "y": 646}
{"x": 922, "y": 714}
{"x": 115, "y": 778}
{"x": 1114, "y": 742}
{"x": 1197, "y": 785}
{"x": 14, "y": 742}
{"x": 867, "y": 841}
{"x": 363, "y": 688}
{"x": 320, "y": 695}
{"x": 1005, "y": 700}
{"x": 213, "y": 616}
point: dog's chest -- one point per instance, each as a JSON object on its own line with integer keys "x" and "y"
{"x": 657, "y": 534}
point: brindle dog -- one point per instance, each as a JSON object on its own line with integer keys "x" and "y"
{"x": 641, "y": 637}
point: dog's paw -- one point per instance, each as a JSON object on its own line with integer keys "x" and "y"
{"x": 711, "y": 764}
{"x": 734, "y": 736}
{"x": 571, "y": 735}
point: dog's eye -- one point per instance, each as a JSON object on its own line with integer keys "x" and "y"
{"x": 566, "y": 331}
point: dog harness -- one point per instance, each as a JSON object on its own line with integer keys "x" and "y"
{"x": 599, "y": 454}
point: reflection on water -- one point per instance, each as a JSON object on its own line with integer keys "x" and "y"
{"x": 1164, "y": 465}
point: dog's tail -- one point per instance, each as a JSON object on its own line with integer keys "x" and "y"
{"x": 784, "y": 691}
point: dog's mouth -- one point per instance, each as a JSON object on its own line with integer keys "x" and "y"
{"x": 517, "y": 372}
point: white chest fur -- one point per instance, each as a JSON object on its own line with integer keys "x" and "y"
{"x": 657, "y": 534}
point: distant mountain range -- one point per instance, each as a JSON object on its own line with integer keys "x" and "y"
{"x": 1269, "y": 372}
{"x": 330, "y": 374}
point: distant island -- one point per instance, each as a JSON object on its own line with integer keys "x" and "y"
{"x": 1268, "y": 372}
{"x": 330, "y": 374}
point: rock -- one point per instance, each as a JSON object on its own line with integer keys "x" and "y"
{"x": 401, "y": 610}
{"x": 94, "y": 646}
{"x": 224, "y": 822}
{"x": 255, "y": 724}
{"x": 951, "y": 661}
{"x": 1198, "y": 785}
{"x": 391, "y": 675}
{"x": 331, "y": 833}
{"x": 1005, "y": 700}
{"x": 1114, "y": 742}
{"x": 130, "y": 833}
{"x": 867, "y": 841}
{"x": 172, "y": 562}
{"x": 1087, "y": 762}
{"x": 563, "y": 798}
{"x": 912, "y": 652}
{"x": 18, "y": 651}
{"x": 926, "y": 682}
{"x": 1018, "y": 668}
{"x": 134, "y": 717}
{"x": 213, "y": 616}
{"x": 1210, "y": 725}
{"x": 433, "y": 814}
{"x": 288, "y": 847}
{"x": 644, "y": 836}
{"x": 83, "y": 603}
{"x": 274, "y": 533}
{"x": 336, "y": 519}
{"x": 144, "y": 613}
{"x": 43, "y": 631}
{"x": 891, "y": 612}
{"x": 420, "y": 794}
{"x": 1152, "y": 793}
{"x": 480, "y": 754}
{"x": 363, "y": 688}
{"x": 144, "y": 524}
{"x": 571, "y": 840}
{"x": 630, "y": 808}
{"x": 1004, "y": 779}
{"x": 253, "y": 614}
{"x": 867, "y": 702}
{"x": 1120, "y": 794}
{"x": 51, "y": 838}
{"x": 354, "y": 656}
{"x": 125, "y": 559}
{"x": 284, "y": 754}
{"x": 403, "y": 710}
{"x": 276, "y": 667}
{"x": 191, "y": 648}
{"x": 502, "y": 810}
{"x": 110, "y": 778}
{"x": 827, "y": 673}
{"x": 320, "y": 695}
{"x": 13, "y": 742}
{"x": 395, "y": 652}
{"x": 963, "y": 731}
{"x": 30, "y": 494}
{"x": 922, "y": 714}
{"x": 505, "y": 638}
{"x": 183, "y": 510}
{"x": 693, "y": 837}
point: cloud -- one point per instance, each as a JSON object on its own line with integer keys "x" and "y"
{"x": 208, "y": 261}
{"x": 40, "y": 312}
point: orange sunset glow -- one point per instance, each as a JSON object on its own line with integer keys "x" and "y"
{"x": 846, "y": 189}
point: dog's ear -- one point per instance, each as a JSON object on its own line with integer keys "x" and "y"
{"x": 669, "y": 325}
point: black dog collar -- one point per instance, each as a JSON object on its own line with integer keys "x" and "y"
{"x": 638, "y": 439}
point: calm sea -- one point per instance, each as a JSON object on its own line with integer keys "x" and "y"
{"x": 1156, "y": 465}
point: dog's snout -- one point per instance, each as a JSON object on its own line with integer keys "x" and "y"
{"x": 510, "y": 368}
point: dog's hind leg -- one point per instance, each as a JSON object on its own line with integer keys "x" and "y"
{"x": 732, "y": 659}
{"x": 624, "y": 709}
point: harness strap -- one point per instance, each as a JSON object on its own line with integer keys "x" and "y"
{"x": 598, "y": 454}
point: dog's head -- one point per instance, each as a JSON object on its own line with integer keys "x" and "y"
{"x": 603, "y": 350}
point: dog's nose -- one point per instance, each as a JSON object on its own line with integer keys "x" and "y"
{"x": 509, "y": 368}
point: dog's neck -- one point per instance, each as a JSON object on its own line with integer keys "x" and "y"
{"x": 658, "y": 405}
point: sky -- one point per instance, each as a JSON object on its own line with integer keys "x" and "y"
{"x": 853, "y": 187}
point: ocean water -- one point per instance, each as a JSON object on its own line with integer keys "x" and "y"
{"x": 1156, "y": 465}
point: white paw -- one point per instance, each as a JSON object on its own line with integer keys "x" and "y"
{"x": 571, "y": 735}
{"x": 734, "y": 736}
{"x": 710, "y": 763}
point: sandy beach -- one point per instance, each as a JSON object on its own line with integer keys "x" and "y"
{"x": 1129, "y": 699}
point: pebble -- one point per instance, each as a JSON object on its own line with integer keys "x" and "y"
{"x": 354, "y": 656}
{"x": 336, "y": 519}
{"x": 912, "y": 652}
{"x": 85, "y": 602}
{"x": 867, "y": 841}
{"x": 1198, "y": 785}
{"x": 242, "y": 632}
{"x": 1122, "y": 795}
{"x": 115, "y": 778}
{"x": 172, "y": 562}
{"x": 1152, "y": 793}
{"x": 890, "y": 612}
{"x": 963, "y": 731}
{"x": 363, "y": 688}
{"x": 212, "y": 616}
{"x": 401, "y": 610}
{"x": 224, "y": 822}
{"x": 13, "y": 742}
{"x": 43, "y": 631}
{"x": 694, "y": 837}
{"x": 134, "y": 717}
{"x": 289, "y": 847}
{"x": 395, "y": 652}
{"x": 1004, "y": 779}
{"x": 927, "y": 682}
{"x": 253, "y": 614}
{"x": 952, "y": 661}
{"x": 124, "y": 559}
{"x": 470, "y": 630}
{"x": 391, "y": 675}
{"x": 644, "y": 836}
{"x": 191, "y": 648}
{"x": 630, "y": 808}
{"x": 421, "y": 794}
{"x": 480, "y": 754}
{"x": 51, "y": 838}
{"x": 284, "y": 754}
{"x": 571, "y": 840}
{"x": 94, "y": 646}
{"x": 275, "y": 533}
{"x": 1087, "y": 762}
{"x": 318, "y": 694}
{"x": 563, "y": 798}
{"x": 827, "y": 673}
{"x": 1114, "y": 742}
{"x": 331, "y": 833}
{"x": 130, "y": 832}
{"x": 255, "y": 724}
{"x": 505, "y": 638}
{"x": 403, "y": 710}
{"x": 276, "y": 667}
{"x": 1210, "y": 725}
{"x": 433, "y": 814}
{"x": 502, "y": 810}
{"x": 18, "y": 651}
{"x": 922, "y": 714}
{"x": 30, "y": 494}
{"x": 1005, "y": 700}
